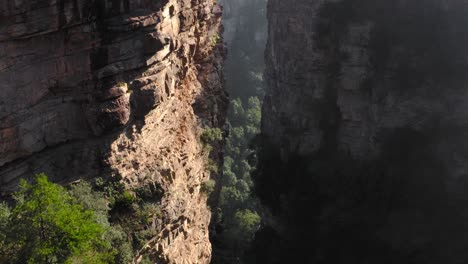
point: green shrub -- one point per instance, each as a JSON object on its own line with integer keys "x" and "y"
{"x": 146, "y": 260}
{"x": 84, "y": 194}
{"x": 237, "y": 113}
{"x": 111, "y": 188}
{"x": 140, "y": 238}
{"x": 237, "y": 133}
{"x": 124, "y": 200}
{"x": 207, "y": 148}
{"x": 149, "y": 192}
{"x": 147, "y": 212}
{"x": 230, "y": 198}
{"x": 229, "y": 178}
{"x": 119, "y": 159}
{"x": 207, "y": 187}
{"x": 210, "y": 135}
{"x": 48, "y": 226}
{"x": 5, "y": 213}
{"x": 119, "y": 240}
{"x": 122, "y": 84}
{"x": 215, "y": 39}
{"x": 247, "y": 223}
{"x": 243, "y": 187}
{"x": 244, "y": 167}
{"x": 212, "y": 166}
{"x": 228, "y": 162}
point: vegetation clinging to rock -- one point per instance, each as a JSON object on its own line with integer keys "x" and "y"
{"x": 48, "y": 226}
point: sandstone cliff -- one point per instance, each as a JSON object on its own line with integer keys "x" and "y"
{"x": 364, "y": 132}
{"x": 117, "y": 88}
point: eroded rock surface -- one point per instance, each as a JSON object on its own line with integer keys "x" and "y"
{"x": 364, "y": 128}
{"x": 115, "y": 88}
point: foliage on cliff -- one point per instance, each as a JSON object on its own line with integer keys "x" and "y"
{"x": 48, "y": 226}
{"x": 83, "y": 223}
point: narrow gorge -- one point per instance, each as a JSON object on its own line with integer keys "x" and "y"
{"x": 234, "y": 131}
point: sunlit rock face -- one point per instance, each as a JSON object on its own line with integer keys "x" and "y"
{"x": 364, "y": 131}
{"x": 115, "y": 88}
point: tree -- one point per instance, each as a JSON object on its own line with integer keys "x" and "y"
{"x": 247, "y": 222}
{"x": 94, "y": 200}
{"x": 5, "y": 213}
{"x": 210, "y": 135}
{"x": 208, "y": 187}
{"x": 237, "y": 133}
{"x": 84, "y": 194}
{"x": 236, "y": 220}
{"x": 254, "y": 112}
{"x": 237, "y": 113}
{"x": 243, "y": 188}
{"x": 48, "y": 226}
{"x": 229, "y": 178}
{"x": 229, "y": 199}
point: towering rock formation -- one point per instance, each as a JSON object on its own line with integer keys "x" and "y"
{"x": 102, "y": 88}
{"x": 364, "y": 154}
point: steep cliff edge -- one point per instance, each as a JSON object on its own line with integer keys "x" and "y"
{"x": 101, "y": 88}
{"x": 364, "y": 155}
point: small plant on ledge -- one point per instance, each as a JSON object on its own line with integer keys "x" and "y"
{"x": 215, "y": 39}
{"x": 211, "y": 135}
{"x": 207, "y": 187}
{"x": 122, "y": 84}
{"x": 212, "y": 166}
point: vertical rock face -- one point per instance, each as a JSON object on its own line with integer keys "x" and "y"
{"x": 364, "y": 131}
{"x": 115, "y": 88}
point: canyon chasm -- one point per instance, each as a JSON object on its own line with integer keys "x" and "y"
{"x": 361, "y": 157}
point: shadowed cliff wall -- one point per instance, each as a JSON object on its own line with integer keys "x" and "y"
{"x": 364, "y": 151}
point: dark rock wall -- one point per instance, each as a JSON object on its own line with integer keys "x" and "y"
{"x": 364, "y": 154}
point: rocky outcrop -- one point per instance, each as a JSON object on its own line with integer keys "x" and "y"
{"x": 364, "y": 125}
{"x": 115, "y": 88}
